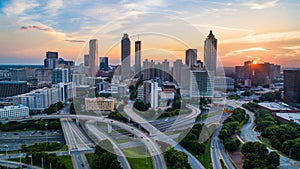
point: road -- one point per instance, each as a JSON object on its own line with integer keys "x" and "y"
{"x": 11, "y": 164}
{"x": 76, "y": 140}
{"x": 155, "y": 152}
{"x": 90, "y": 125}
{"x": 158, "y": 135}
{"x": 249, "y": 135}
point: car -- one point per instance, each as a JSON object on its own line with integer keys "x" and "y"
{"x": 131, "y": 128}
{"x": 82, "y": 165}
{"x": 142, "y": 137}
{"x": 16, "y": 133}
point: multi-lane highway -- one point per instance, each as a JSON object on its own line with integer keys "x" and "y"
{"x": 76, "y": 140}
{"x": 158, "y": 135}
{"x": 92, "y": 127}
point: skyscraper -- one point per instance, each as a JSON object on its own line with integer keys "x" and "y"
{"x": 60, "y": 75}
{"x": 210, "y": 52}
{"x": 103, "y": 63}
{"x": 125, "y": 56}
{"x": 165, "y": 67}
{"x": 51, "y": 60}
{"x": 177, "y": 65}
{"x": 292, "y": 87}
{"x": 93, "y": 57}
{"x": 190, "y": 57}
{"x": 137, "y": 61}
{"x": 86, "y": 60}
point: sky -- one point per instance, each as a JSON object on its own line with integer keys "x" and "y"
{"x": 261, "y": 30}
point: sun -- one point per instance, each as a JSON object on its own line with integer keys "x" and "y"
{"x": 254, "y": 62}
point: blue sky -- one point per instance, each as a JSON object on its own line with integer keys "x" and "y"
{"x": 267, "y": 30}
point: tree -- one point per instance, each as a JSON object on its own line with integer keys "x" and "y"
{"x": 255, "y": 147}
{"x": 224, "y": 134}
{"x": 232, "y": 145}
{"x": 141, "y": 106}
{"x": 273, "y": 159}
{"x": 295, "y": 151}
{"x": 176, "y": 159}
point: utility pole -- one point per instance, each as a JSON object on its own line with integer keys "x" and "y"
{"x": 20, "y": 159}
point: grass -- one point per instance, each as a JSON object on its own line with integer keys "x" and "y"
{"x": 124, "y": 140}
{"x": 66, "y": 159}
{"x": 136, "y": 158}
{"x": 205, "y": 116}
{"x": 23, "y": 160}
{"x": 222, "y": 164}
{"x": 89, "y": 157}
{"x": 205, "y": 158}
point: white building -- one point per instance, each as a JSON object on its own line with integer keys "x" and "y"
{"x": 154, "y": 95}
{"x": 60, "y": 75}
{"x": 9, "y": 112}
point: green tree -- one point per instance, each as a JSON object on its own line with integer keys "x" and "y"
{"x": 273, "y": 159}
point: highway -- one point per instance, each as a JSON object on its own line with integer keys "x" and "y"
{"x": 92, "y": 127}
{"x": 249, "y": 135}
{"x": 76, "y": 140}
{"x": 158, "y": 135}
{"x": 155, "y": 152}
{"x": 11, "y": 164}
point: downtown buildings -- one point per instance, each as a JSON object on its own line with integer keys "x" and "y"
{"x": 11, "y": 112}
{"x": 292, "y": 87}
{"x": 125, "y": 57}
{"x": 93, "y": 57}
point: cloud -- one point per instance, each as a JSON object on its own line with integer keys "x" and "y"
{"x": 53, "y": 7}
{"x": 47, "y": 29}
{"x": 255, "y": 5}
{"x": 17, "y": 7}
{"x": 240, "y": 51}
{"x": 223, "y": 27}
{"x": 265, "y": 37}
{"x": 75, "y": 41}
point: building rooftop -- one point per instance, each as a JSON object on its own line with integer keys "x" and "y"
{"x": 12, "y": 107}
{"x": 275, "y": 106}
{"x": 12, "y": 82}
{"x": 295, "y": 117}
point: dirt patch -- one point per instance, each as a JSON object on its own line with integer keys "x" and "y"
{"x": 237, "y": 158}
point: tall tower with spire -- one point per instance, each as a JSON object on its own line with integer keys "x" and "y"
{"x": 210, "y": 52}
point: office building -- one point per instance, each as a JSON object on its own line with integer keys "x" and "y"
{"x": 292, "y": 87}
{"x": 185, "y": 78}
{"x": 86, "y": 60}
{"x": 259, "y": 74}
{"x": 210, "y": 52}
{"x": 190, "y": 57}
{"x": 79, "y": 79}
{"x": 43, "y": 75}
{"x": 224, "y": 83}
{"x": 137, "y": 61}
{"x": 154, "y": 95}
{"x": 165, "y": 69}
{"x": 93, "y": 57}
{"x": 51, "y": 60}
{"x": 11, "y": 112}
{"x": 125, "y": 56}
{"x": 201, "y": 83}
{"x": 18, "y": 74}
{"x": 60, "y": 75}
{"x": 177, "y": 65}
{"x": 99, "y": 104}
{"x": 103, "y": 64}
{"x": 12, "y": 88}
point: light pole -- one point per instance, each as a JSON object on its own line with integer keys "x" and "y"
{"x": 46, "y": 136}
{"x": 6, "y": 147}
{"x": 20, "y": 159}
{"x": 42, "y": 163}
{"x": 30, "y": 156}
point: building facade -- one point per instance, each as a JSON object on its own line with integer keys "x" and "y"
{"x": 12, "y": 88}
{"x": 210, "y": 52}
{"x": 10, "y": 112}
{"x": 137, "y": 61}
{"x": 190, "y": 57}
{"x": 292, "y": 87}
{"x": 103, "y": 64}
{"x": 125, "y": 56}
{"x": 202, "y": 83}
{"x": 93, "y": 57}
{"x": 99, "y": 104}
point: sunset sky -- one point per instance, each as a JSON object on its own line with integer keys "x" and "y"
{"x": 262, "y": 30}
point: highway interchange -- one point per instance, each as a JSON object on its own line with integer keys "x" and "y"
{"x": 79, "y": 142}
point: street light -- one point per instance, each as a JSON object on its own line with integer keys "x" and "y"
{"x": 30, "y": 156}
{"x": 6, "y": 147}
{"x": 20, "y": 159}
{"x": 46, "y": 136}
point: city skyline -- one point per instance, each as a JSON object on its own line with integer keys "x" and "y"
{"x": 240, "y": 39}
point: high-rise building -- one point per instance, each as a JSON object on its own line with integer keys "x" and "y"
{"x": 103, "y": 63}
{"x": 154, "y": 95}
{"x": 259, "y": 74}
{"x": 210, "y": 52}
{"x": 165, "y": 70}
{"x": 125, "y": 56}
{"x": 93, "y": 57}
{"x": 148, "y": 69}
{"x": 177, "y": 65}
{"x": 190, "y": 57}
{"x": 60, "y": 75}
{"x": 292, "y": 87}
{"x": 137, "y": 61}
{"x": 86, "y": 60}
{"x": 43, "y": 75}
{"x": 202, "y": 83}
{"x": 185, "y": 78}
{"x": 51, "y": 60}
